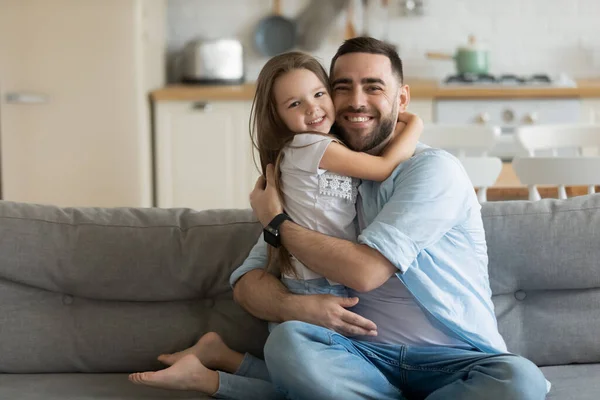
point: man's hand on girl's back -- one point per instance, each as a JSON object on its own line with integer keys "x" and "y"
{"x": 331, "y": 312}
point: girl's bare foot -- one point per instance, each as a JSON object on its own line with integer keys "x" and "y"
{"x": 212, "y": 352}
{"x": 187, "y": 373}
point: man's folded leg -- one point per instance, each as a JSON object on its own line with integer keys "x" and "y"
{"x": 439, "y": 373}
{"x": 306, "y": 362}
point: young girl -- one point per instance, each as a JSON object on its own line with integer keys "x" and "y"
{"x": 317, "y": 178}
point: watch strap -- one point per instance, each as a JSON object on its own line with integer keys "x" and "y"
{"x": 278, "y": 220}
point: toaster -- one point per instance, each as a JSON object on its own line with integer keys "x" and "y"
{"x": 213, "y": 61}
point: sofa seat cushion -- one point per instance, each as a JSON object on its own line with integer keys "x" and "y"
{"x": 574, "y": 382}
{"x": 82, "y": 387}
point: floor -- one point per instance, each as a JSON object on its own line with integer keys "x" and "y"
{"x": 508, "y": 187}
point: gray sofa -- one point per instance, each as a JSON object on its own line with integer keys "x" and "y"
{"x": 89, "y": 295}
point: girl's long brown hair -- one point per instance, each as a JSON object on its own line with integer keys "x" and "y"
{"x": 270, "y": 135}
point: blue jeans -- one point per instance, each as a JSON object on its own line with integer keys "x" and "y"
{"x": 252, "y": 381}
{"x": 310, "y": 362}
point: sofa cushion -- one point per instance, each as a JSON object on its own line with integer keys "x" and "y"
{"x": 544, "y": 267}
{"x": 107, "y": 290}
{"x": 574, "y": 382}
{"x": 83, "y": 387}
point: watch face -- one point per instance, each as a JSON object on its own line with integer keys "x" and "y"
{"x": 271, "y": 236}
{"x": 274, "y": 232}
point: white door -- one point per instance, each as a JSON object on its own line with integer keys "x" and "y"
{"x": 203, "y": 155}
{"x": 71, "y": 104}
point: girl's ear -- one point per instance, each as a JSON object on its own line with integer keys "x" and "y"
{"x": 404, "y": 98}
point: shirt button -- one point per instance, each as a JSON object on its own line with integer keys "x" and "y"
{"x": 520, "y": 295}
{"x": 67, "y": 299}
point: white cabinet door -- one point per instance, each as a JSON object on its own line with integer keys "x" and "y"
{"x": 423, "y": 108}
{"x": 74, "y": 81}
{"x": 203, "y": 154}
{"x": 590, "y": 111}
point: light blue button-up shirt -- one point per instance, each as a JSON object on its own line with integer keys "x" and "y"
{"x": 426, "y": 220}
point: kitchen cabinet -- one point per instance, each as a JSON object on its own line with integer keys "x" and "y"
{"x": 203, "y": 154}
{"x": 590, "y": 111}
{"x": 423, "y": 108}
{"x": 74, "y": 111}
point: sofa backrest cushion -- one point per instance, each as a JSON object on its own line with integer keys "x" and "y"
{"x": 108, "y": 290}
{"x": 544, "y": 267}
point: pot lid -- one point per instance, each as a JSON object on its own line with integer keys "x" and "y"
{"x": 473, "y": 45}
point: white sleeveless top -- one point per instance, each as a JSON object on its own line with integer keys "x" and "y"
{"x": 315, "y": 198}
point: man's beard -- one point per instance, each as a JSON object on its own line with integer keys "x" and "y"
{"x": 379, "y": 134}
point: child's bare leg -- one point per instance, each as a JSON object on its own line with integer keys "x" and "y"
{"x": 187, "y": 373}
{"x": 212, "y": 352}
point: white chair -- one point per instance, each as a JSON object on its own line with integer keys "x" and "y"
{"x": 581, "y": 169}
{"x": 483, "y": 172}
{"x": 462, "y": 140}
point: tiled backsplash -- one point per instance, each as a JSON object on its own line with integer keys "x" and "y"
{"x": 523, "y": 36}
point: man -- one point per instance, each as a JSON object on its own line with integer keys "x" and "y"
{"x": 421, "y": 323}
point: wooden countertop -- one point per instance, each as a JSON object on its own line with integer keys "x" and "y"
{"x": 419, "y": 88}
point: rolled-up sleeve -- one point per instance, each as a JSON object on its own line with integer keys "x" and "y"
{"x": 432, "y": 194}
{"x": 256, "y": 259}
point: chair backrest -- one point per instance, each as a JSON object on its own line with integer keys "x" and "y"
{"x": 584, "y": 138}
{"x": 483, "y": 171}
{"x": 568, "y": 171}
{"x": 465, "y": 141}
{"x": 581, "y": 169}
{"x": 460, "y": 139}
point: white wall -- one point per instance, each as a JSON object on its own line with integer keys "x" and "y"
{"x": 524, "y": 36}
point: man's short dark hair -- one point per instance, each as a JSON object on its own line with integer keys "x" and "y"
{"x": 370, "y": 45}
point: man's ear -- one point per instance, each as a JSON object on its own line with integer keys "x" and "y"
{"x": 404, "y": 98}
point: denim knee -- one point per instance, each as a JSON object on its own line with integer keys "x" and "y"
{"x": 286, "y": 342}
{"x": 285, "y": 335}
{"x": 292, "y": 356}
{"x": 520, "y": 379}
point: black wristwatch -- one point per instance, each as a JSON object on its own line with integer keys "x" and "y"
{"x": 271, "y": 231}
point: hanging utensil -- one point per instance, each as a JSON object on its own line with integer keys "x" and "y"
{"x": 275, "y": 34}
{"x": 314, "y": 22}
{"x": 365, "y": 17}
{"x": 350, "y": 30}
{"x": 386, "y": 24}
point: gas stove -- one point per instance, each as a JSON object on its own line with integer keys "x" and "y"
{"x": 509, "y": 80}
{"x": 507, "y": 113}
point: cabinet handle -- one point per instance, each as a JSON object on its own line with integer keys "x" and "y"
{"x": 483, "y": 118}
{"x": 531, "y": 118}
{"x": 26, "y": 98}
{"x": 201, "y": 106}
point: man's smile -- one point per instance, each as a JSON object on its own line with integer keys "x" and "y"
{"x": 356, "y": 120}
